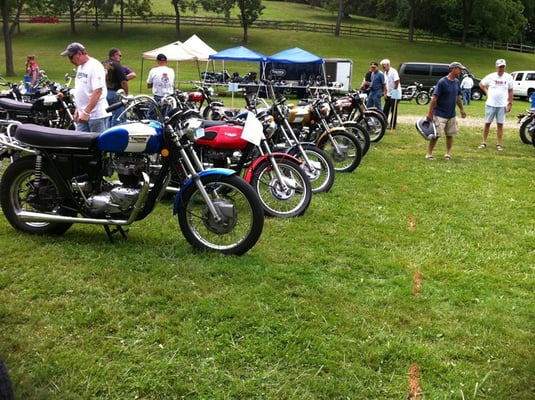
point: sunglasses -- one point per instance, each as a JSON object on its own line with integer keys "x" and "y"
{"x": 71, "y": 56}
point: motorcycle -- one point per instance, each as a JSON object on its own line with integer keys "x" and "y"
{"x": 351, "y": 107}
{"x": 527, "y": 126}
{"x": 54, "y": 109}
{"x": 115, "y": 178}
{"x": 416, "y": 91}
{"x": 316, "y": 162}
{"x": 214, "y": 109}
{"x": 310, "y": 124}
{"x": 283, "y": 187}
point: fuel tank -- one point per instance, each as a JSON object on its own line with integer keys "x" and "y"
{"x": 223, "y": 137}
{"x": 132, "y": 137}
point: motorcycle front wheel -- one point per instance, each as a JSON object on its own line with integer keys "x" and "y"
{"x": 361, "y": 133}
{"x": 287, "y": 198}
{"x": 21, "y": 191}
{"x": 344, "y": 149}
{"x": 242, "y": 215}
{"x": 320, "y": 170}
{"x": 375, "y": 123}
{"x": 527, "y": 130}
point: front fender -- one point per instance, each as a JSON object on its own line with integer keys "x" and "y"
{"x": 277, "y": 155}
{"x": 189, "y": 182}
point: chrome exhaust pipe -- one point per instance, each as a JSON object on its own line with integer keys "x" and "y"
{"x": 29, "y": 216}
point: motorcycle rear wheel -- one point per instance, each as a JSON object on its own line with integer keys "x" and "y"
{"x": 423, "y": 98}
{"x": 290, "y": 199}
{"x": 19, "y": 192}
{"x": 236, "y": 200}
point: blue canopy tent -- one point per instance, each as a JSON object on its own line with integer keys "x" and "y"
{"x": 240, "y": 53}
{"x": 296, "y": 67}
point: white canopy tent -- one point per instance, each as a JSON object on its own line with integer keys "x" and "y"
{"x": 193, "y": 49}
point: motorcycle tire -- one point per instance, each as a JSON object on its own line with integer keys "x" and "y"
{"x": 374, "y": 122}
{"x": 236, "y": 200}
{"x": 290, "y": 198}
{"x": 18, "y": 193}
{"x": 380, "y": 113}
{"x": 527, "y": 131}
{"x": 6, "y": 389}
{"x": 347, "y": 154}
{"x": 321, "y": 174}
{"x": 361, "y": 133}
{"x": 423, "y": 98}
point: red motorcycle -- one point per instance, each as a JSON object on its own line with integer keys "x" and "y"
{"x": 278, "y": 178}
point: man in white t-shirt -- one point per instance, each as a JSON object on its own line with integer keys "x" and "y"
{"x": 161, "y": 78}
{"x": 466, "y": 89}
{"x": 498, "y": 87}
{"x": 89, "y": 90}
{"x": 392, "y": 83}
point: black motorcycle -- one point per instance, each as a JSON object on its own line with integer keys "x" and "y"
{"x": 112, "y": 179}
{"x": 54, "y": 109}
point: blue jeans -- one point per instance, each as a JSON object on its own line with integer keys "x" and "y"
{"x": 93, "y": 125}
{"x": 467, "y": 94}
{"x": 374, "y": 99}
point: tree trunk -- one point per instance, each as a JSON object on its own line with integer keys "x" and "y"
{"x": 339, "y": 17}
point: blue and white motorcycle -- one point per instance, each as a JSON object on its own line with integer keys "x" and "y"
{"x": 117, "y": 177}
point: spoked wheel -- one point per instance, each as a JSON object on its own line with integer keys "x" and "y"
{"x": 21, "y": 191}
{"x": 361, "y": 133}
{"x": 423, "y": 98}
{"x": 343, "y": 148}
{"x": 242, "y": 216}
{"x": 320, "y": 171}
{"x": 527, "y": 130}
{"x": 374, "y": 123}
{"x": 287, "y": 198}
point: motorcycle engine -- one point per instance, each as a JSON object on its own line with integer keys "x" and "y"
{"x": 219, "y": 158}
{"x": 122, "y": 195}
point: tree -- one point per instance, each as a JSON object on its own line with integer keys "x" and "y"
{"x": 250, "y": 10}
{"x": 8, "y": 28}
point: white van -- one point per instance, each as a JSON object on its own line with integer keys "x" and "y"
{"x": 523, "y": 83}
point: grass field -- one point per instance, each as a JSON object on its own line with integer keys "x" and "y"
{"x": 409, "y": 276}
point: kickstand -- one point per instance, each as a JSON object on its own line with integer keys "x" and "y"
{"x": 117, "y": 229}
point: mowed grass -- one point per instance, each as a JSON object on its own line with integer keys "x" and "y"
{"x": 407, "y": 276}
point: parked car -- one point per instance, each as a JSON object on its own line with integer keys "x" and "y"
{"x": 429, "y": 73}
{"x": 524, "y": 83}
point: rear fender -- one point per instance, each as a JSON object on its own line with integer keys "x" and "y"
{"x": 189, "y": 182}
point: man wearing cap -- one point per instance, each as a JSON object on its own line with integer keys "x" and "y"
{"x": 89, "y": 90}
{"x": 446, "y": 95}
{"x": 498, "y": 87}
{"x": 161, "y": 78}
